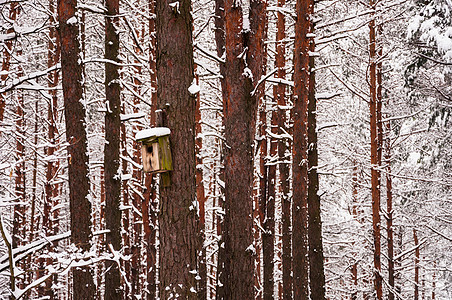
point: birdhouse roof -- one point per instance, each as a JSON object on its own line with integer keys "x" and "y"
{"x": 152, "y": 133}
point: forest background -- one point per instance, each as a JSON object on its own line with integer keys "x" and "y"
{"x": 250, "y": 91}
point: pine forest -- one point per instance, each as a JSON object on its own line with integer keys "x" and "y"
{"x": 226, "y": 149}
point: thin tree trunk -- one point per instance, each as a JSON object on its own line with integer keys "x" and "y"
{"x": 416, "y": 265}
{"x": 389, "y": 229}
{"x": 300, "y": 155}
{"x": 355, "y": 214}
{"x": 374, "y": 139}
{"x": 111, "y": 151}
{"x": 316, "y": 267}
{"x": 261, "y": 199}
{"x": 80, "y": 206}
{"x": 201, "y": 198}
{"x": 137, "y": 199}
{"x": 179, "y": 243}
{"x": 266, "y": 208}
{"x": 126, "y": 233}
{"x": 283, "y": 146}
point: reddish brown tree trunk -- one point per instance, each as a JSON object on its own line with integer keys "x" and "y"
{"x": 239, "y": 118}
{"x": 300, "y": 155}
{"x": 374, "y": 145}
{"x": 416, "y": 265}
{"x": 80, "y": 206}
{"x": 111, "y": 151}
{"x": 283, "y": 147}
{"x": 179, "y": 243}
{"x": 316, "y": 267}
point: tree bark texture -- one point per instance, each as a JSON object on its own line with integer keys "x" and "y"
{"x": 374, "y": 141}
{"x": 111, "y": 151}
{"x": 257, "y": 62}
{"x": 316, "y": 258}
{"x": 283, "y": 146}
{"x": 300, "y": 153}
{"x": 239, "y": 115}
{"x": 416, "y": 265}
{"x": 179, "y": 243}
{"x": 74, "y": 110}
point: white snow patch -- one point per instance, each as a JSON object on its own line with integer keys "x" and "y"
{"x": 72, "y": 21}
{"x": 175, "y": 6}
{"x": 194, "y": 89}
{"x": 152, "y": 132}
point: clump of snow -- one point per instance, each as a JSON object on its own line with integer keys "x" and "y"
{"x": 152, "y": 132}
{"x": 194, "y": 89}
{"x": 72, "y": 21}
{"x": 247, "y": 73}
{"x": 175, "y": 6}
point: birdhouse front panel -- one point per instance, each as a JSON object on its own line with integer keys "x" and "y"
{"x": 150, "y": 157}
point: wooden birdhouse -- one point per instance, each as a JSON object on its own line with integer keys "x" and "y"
{"x": 155, "y": 149}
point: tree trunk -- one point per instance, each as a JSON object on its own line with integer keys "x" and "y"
{"x": 416, "y": 265}
{"x": 179, "y": 243}
{"x": 316, "y": 267}
{"x": 80, "y": 206}
{"x": 375, "y": 181}
{"x": 300, "y": 155}
{"x": 283, "y": 146}
{"x": 111, "y": 151}
{"x": 389, "y": 229}
{"x": 239, "y": 116}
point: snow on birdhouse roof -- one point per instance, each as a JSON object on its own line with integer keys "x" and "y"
{"x": 152, "y": 132}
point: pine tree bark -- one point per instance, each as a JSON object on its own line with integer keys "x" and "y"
{"x": 300, "y": 155}
{"x": 416, "y": 265}
{"x": 111, "y": 151}
{"x": 239, "y": 109}
{"x": 179, "y": 243}
{"x": 374, "y": 145}
{"x": 74, "y": 110}
{"x": 316, "y": 258}
{"x": 283, "y": 147}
